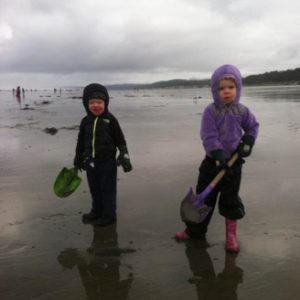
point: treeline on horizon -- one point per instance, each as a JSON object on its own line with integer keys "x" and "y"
{"x": 275, "y": 77}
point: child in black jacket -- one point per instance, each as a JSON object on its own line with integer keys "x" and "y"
{"x": 99, "y": 137}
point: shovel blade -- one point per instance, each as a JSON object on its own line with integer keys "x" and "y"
{"x": 66, "y": 182}
{"x": 193, "y": 208}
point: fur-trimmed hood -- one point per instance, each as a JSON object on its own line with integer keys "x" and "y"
{"x": 226, "y": 71}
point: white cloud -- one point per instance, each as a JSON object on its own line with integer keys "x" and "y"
{"x": 141, "y": 41}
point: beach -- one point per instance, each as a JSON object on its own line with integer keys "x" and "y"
{"x": 46, "y": 252}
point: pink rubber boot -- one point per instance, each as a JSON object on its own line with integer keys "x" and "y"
{"x": 231, "y": 242}
{"x": 182, "y": 236}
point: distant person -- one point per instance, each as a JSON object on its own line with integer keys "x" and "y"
{"x": 18, "y": 92}
{"x": 227, "y": 127}
{"x": 23, "y": 92}
{"x": 13, "y": 91}
{"x": 99, "y": 137}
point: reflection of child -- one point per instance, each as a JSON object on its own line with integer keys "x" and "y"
{"x": 99, "y": 137}
{"x": 101, "y": 272}
{"x": 209, "y": 284}
{"x": 227, "y": 126}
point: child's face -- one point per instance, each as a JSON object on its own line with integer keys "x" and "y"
{"x": 96, "y": 106}
{"x": 227, "y": 90}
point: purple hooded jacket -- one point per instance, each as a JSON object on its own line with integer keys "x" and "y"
{"x": 223, "y": 125}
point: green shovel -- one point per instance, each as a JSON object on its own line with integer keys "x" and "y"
{"x": 66, "y": 182}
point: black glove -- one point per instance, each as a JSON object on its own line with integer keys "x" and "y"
{"x": 79, "y": 162}
{"x": 221, "y": 162}
{"x": 245, "y": 147}
{"x": 123, "y": 159}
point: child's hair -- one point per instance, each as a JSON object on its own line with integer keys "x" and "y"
{"x": 228, "y": 77}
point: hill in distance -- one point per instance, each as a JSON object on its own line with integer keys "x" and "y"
{"x": 287, "y": 77}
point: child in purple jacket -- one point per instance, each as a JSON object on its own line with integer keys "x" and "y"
{"x": 227, "y": 127}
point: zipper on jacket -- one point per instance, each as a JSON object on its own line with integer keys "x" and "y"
{"x": 94, "y": 137}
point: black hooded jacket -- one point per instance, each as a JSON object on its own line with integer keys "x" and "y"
{"x": 99, "y": 136}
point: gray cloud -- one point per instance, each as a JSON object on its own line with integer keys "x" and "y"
{"x": 55, "y": 42}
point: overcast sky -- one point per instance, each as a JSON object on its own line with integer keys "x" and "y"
{"x": 47, "y": 43}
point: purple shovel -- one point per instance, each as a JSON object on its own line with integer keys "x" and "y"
{"x": 193, "y": 208}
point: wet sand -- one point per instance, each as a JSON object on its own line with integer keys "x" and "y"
{"x": 46, "y": 252}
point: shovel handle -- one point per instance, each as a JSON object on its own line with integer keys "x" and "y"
{"x": 221, "y": 174}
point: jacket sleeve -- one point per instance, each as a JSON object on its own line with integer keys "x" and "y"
{"x": 250, "y": 124}
{"x": 118, "y": 135}
{"x": 209, "y": 133}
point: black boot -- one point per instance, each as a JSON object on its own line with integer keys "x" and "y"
{"x": 104, "y": 221}
{"x": 89, "y": 218}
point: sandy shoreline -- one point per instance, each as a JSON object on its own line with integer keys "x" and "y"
{"x": 47, "y": 253}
